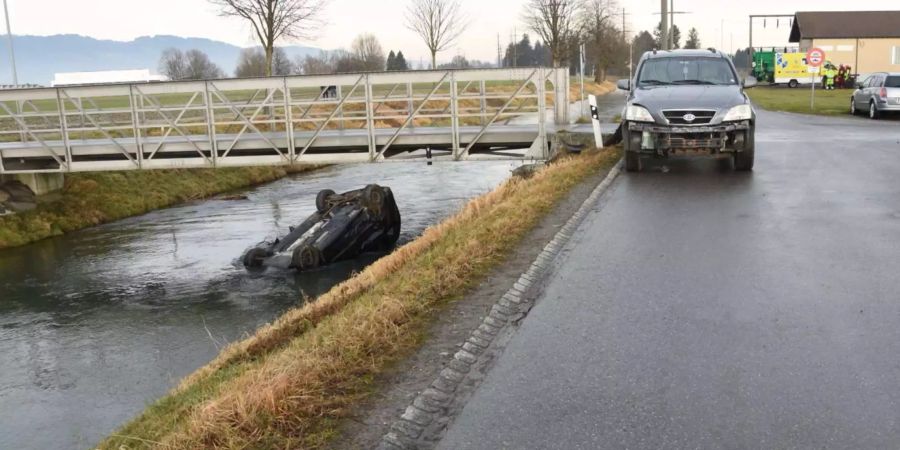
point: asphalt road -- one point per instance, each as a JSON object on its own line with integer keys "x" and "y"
{"x": 701, "y": 308}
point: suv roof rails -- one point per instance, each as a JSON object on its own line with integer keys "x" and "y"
{"x": 712, "y": 50}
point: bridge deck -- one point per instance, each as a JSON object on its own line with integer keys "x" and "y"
{"x": 267, "y": 121}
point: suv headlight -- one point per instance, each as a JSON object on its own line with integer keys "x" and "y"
{"x": 739, "y": 112}
{"x": 635, "y": 113}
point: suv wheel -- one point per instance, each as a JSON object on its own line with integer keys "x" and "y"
{"x": 743, "y": 160}
{"x": 874, "y": 113}
{"x": 632, "y": 146}
{"x": 853, "y": 111}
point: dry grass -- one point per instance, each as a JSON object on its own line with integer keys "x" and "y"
{"x": 590, "y": 87}
{"x": 291, "y": 384}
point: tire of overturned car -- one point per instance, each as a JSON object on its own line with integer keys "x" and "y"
{"x": 254, "y": 258}
{"x": 322, "y": 200}
{"x": 373, "y": 199}
{"x": 306, "y": 257}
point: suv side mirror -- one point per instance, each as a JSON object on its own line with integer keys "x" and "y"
{"x": 624, "y": 85}
{"x": 749, "y": 82}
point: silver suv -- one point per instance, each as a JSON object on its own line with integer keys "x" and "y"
{"x": 877, "y": 94}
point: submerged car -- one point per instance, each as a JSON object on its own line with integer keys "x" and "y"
{"x": 343, "y": 227}
{"x": 687, "y": 102}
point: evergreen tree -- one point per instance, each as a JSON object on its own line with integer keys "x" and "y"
{"x": 400, "y": 63}
{"x": 391, "y": 61}
{"x": 676, "y": 36}
{"x": 693, "y": 41}
{"x": 643, "y": 42}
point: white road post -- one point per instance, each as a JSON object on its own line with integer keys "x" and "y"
{"x": 595, "y": 120}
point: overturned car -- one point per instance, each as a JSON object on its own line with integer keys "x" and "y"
{"x": 343, "y": 227}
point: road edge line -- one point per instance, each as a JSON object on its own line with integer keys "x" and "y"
{"x": 406, "y": 432}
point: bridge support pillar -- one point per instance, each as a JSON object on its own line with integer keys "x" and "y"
{"x": 40, "y": 183}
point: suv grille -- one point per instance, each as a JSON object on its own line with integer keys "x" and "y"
{"x": 681, "y": 116}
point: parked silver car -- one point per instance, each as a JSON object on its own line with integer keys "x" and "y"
{"x": 877, "y": 94}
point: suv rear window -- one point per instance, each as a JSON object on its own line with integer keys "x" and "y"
{"x": 686, "y": 70}
{"x": 892, "y": 82}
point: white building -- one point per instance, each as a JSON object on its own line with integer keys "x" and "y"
{"x": 105, "y": 76}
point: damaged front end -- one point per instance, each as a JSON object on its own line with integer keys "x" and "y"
{"x": 664, "y": 141}
{"x": 343, "y": 227}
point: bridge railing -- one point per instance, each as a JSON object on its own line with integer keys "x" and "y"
{"x": 277, "y": 120}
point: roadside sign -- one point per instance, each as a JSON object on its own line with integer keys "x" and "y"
{"x": 813, "y": 69}
{"x": 815, "y": 57}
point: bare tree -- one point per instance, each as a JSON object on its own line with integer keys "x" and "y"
{"x": 190, "y": 65}
{"x": 252, "y": 63}
{"x": 368, "y": 51}
{"x": 172, "y": 64}
{"x": 274, "y": 20}
{"x": 199, "y": 67}
{"x": 438, "y": 22}
{"x": 555, "y": 22}
{"x": 604, "y": 43}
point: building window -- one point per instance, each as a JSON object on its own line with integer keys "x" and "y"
{"x": 896, "y": 56}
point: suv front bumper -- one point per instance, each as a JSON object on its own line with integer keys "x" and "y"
{"x": 662, "y": 140}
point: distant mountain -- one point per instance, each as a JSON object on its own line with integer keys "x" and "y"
{"x": 39, "y": 57}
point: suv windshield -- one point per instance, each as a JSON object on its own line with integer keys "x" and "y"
{"x": 892, "y": 82}
{"x": 686, "y": 70}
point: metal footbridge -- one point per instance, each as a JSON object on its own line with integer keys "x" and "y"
{"x": 367, "y": 117}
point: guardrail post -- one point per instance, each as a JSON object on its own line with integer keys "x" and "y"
{"x": 483, "y": 89}
{"x": 410, "y": 107}
{"x": 454, "y": 114}
{"x": 211, "y": 124}
{"x": 541, "y": 86}
{"x": 289, "y": 121}
{"x": 136, "y": 128}
{"x": 370, "y": 121}
{"x": 64, "y": 129}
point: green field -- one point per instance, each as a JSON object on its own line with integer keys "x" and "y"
{"x": 828, "y": 103}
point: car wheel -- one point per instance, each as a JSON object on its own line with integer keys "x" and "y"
{"x": 322, "y": 200}
{"x": 373, "y": 198}
{"x": 743, "y": 160}
{"x": 632, "y": 146}
{"x": 306, "y": 257}
{"x": 874, "y": 113}
{"x": 853, "y": 111}
{"x": 793, "y": 84}
{"x": 253, "y": 259}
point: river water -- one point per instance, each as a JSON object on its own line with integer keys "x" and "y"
{"x": 96, "y": 324}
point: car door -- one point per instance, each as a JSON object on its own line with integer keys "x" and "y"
{"x": 860, "y": 91}
{"x": 874, "y": 88}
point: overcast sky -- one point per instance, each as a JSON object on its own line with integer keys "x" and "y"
{"x": 127, "y": 19}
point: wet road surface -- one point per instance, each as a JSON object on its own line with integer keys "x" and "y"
{"x": 98, "y": 323}
{"x": 701, "y": 308}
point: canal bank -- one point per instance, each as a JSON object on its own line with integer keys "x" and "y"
{"x": 98, "y": 323}
{"x": 89, "y": 199}
{"x": 293, "y": 383}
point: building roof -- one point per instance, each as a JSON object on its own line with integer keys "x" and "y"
{"x": 845, "y": 25}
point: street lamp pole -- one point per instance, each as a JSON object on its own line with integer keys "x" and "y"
{"x": 12, "y": 52}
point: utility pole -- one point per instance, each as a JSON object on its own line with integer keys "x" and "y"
{"x": 671, "y": 42}
{"x": 12, "y": 52}
{"x": 664, "y": 25}
{"x": 499, "y": 58}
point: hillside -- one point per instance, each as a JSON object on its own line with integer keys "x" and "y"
{"x": 39, "y": 57}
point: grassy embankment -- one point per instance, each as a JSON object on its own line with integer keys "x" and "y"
{"x": 291, "y": 384}
{"x": 828, "y": 103}
{"x": 90, "y": 199}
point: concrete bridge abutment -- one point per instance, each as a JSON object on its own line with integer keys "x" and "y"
{"x": 40, "y": 183}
